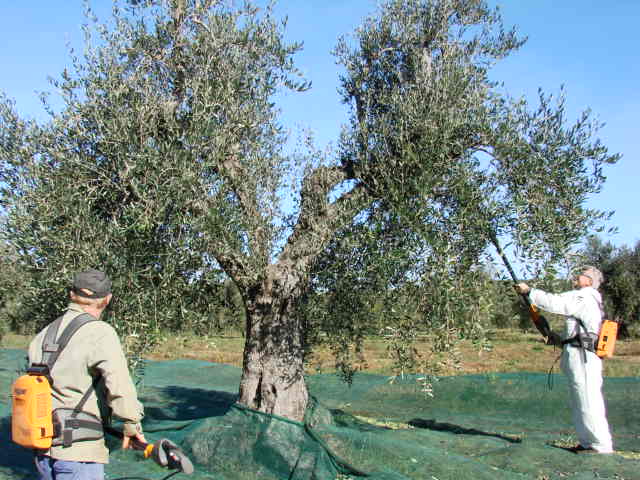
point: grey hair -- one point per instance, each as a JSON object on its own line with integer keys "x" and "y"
{"x": 594, "y": 274}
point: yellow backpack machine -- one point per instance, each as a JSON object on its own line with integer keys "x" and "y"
{"x": 607, "y": 339}
{"x": 34, "y": 424}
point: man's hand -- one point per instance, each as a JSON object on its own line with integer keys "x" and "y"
{"x": 132, "y": 434}
{"x": 128, "y": 441}
{"x": 522, "y": 288}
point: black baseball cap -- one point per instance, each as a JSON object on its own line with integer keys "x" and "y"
{"x": 96, "y": 282}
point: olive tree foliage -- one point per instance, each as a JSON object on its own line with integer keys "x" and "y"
{"x": 380, "y": 277}
{"x": 449, "y": 161}
{"x": 164, "y": 155}
{"x": 165, "y": 167}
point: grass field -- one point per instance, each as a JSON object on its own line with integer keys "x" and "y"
{"x": 512, "y": 351}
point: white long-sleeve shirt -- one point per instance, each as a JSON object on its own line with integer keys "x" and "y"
{"x": 583, "y": 304}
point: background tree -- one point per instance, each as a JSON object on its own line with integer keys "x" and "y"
{"x": 165, "y": 167}
{"x": 12, "y": 286}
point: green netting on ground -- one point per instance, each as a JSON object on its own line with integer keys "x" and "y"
{"x": 505, "y": 426}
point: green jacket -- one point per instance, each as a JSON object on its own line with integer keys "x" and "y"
{"x": 94, "y": 347}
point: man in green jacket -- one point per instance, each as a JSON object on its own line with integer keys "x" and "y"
{"x": 93, "y": 353}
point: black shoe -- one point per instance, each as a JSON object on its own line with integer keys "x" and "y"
{"x": 583, "y": 450}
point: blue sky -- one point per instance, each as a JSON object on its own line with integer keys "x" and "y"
{"x": 589, "y": 46}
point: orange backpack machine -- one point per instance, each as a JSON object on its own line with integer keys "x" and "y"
{"x": 32, "y": 424}
{"x": 607, "y": 339}
{"x": 31, "y": 418}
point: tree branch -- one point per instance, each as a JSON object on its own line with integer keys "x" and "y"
{"x": 319, "y": 218}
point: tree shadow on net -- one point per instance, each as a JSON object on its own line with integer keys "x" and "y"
{"x": 458, "y": 430}
{"x": 183, "y": 404}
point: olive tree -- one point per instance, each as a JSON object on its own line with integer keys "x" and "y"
{"x": 166, "y": 165}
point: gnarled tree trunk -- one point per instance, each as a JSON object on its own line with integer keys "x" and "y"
{"x": 273, "y": 364}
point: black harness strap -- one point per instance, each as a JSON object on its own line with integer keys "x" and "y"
{"x": 587, "y": 341}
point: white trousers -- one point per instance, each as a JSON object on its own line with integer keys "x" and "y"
{"x": 584, "y": 374}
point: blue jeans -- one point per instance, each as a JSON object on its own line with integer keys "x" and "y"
{"x": 52, "y": 469}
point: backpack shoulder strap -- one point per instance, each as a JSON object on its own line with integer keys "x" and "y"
{"x": 584, "y": 327}
{"x": 49, "y": 345}
{"x": 53, "y": 348}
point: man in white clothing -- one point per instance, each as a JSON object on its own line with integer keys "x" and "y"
{"x": 583, "y": 368}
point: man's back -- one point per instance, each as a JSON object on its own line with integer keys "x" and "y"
{"x": 93, "y": 351}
